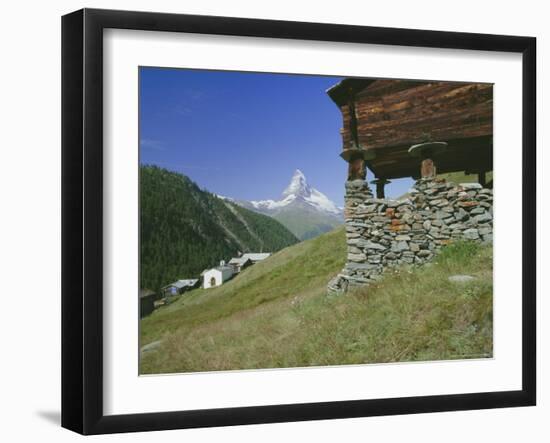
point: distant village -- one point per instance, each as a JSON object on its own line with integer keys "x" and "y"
{"x": 209, "y": 278}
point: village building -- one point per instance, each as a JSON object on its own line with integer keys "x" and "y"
{"x": 217, "y": 276}
{"x": 146, "y": 302}
{"x": 239, "y": 263}
{"x": 180, "y": 286}
{"x": 256, "y": 257}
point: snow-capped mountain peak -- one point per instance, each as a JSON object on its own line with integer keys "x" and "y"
{"x": 298, "y": 185}
{"x": 299, "y": 190}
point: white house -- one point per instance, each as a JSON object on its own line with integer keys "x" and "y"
{"x": 216, "y": 276}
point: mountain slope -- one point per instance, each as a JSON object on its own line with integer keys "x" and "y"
{"x": 184, "y": 230}
{"x": 304, "y": 210}
{"x": 277, "y": 314}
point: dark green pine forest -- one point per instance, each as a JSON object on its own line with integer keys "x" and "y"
{"x": 184, "y": 230}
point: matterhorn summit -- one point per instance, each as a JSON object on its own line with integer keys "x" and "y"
{"x": 298, "y": 185}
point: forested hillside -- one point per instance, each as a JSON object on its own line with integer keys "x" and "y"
{"x": 184, "y": 229}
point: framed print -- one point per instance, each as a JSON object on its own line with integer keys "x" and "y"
{"x": 269, "y": 221}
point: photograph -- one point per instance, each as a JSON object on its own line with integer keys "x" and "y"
{"x": 293, "y": 221}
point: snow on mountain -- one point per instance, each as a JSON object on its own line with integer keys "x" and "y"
{"x": 298, "y": 190}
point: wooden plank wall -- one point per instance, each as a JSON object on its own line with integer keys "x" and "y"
{"x": 392, "y": 115}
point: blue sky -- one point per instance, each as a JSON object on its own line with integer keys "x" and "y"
{"x": 242, "y": 135}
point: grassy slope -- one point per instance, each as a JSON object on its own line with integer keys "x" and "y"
{"x": 276, "y": 314}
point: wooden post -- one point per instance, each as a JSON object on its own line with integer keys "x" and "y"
{"x": 357, "y": 169}
{"x": 380, "y": 186}
{"x": 427, "y": 152}
{"x": 427, "y": 167}
{"x": 482, "y": 179}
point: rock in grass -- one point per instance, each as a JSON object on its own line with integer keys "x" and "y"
{"x": 150, "y": 346}
{"x": 461, "y": 279}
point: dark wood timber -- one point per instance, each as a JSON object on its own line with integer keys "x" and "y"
{"x": 388, "y": 116}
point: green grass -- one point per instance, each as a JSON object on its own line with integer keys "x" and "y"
{"x": 462, "y": 177}
{"x": 277, "y": 314}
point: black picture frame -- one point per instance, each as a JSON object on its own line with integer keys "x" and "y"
{"x": 82, "y": 216}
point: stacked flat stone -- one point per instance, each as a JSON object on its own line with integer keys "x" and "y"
{"x": 384, "y": 233}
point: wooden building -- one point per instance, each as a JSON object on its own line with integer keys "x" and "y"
{"x": 239, "y": 263}
{"x": 383, "y": 119}
{"x": 146, "y": 302}
{"x": 180, "y": 286}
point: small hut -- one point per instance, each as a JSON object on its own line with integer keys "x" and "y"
{"x": 180, "y": 286}
{"x": 146, "y": 302}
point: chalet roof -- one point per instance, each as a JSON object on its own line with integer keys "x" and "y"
{"x": 239, "y": 261}
{"x": 341, "y": 92}
{"x": 256, "y": 256}
{"x": 180, "y": 284}
{"x": 218, "y": 268}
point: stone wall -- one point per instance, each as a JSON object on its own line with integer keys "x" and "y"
{"x": 383, "y": 233}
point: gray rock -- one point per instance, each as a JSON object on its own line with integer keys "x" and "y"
{"x": 457, "y": 226}
{"x": 357, "y": 257}
{"x": 375, "y": 258}
{"x": 442, "y": 215}
{"x": 361, "y": 266}
{"x": 488, "y": 238}
{"x": 380, "y": 219}
{"x": 367, "y": 208}
{"x": 461, "y": 279}
{"x": 357, "y": 224}
{"x": 478, "y": 210}
{"x": 471, "y": 234}
{"x": 402, "y": 238}
{"x": 400, "y": 246}
{"x": 485, "y": 230}
{"x": 461, "y": 215}
{"x": 483, "y": 218}
{"x": 440, "y": 202}
{"x": 469, "y": 186}
{"x": 367, "y": 244}
{"x": 150, "y": 346}
{"x": 337, "y": 285}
